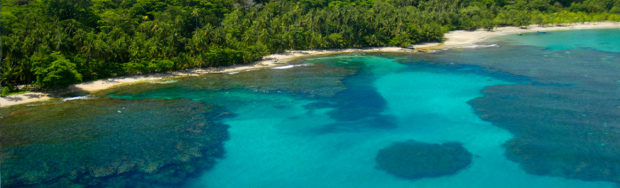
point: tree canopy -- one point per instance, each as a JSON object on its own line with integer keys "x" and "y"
{"x": 53, "y": 43}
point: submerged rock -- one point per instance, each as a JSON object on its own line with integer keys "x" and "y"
{"x": 88, "y": 143}
{"x": 414, "y": 160}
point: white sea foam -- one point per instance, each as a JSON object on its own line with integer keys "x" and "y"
{"x": 289, "y": 66}
{"x": 284, "y": 67}
{"x": 480, "y": 46}
{"x": 439, "y": 50}
{"x": 233, "y": 72}
{"x": 76, "y": 98}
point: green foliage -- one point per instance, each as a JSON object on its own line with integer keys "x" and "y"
{"x": 592, "y": 6}
{"x": 105, "y": 38}
{"x": 55, "y": 71}
{"x": 5, "y": 91}
{"x": 9, "y": 90}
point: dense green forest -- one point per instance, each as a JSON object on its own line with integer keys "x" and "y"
{"x": 54, "y": 43}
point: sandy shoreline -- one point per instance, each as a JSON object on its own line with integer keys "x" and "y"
{"x": 453, "y": 39}
{"x": 462, "y": 38}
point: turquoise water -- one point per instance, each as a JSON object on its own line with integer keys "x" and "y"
{"x": 595, "y": 39}
{"x": 277, "y": 147}
{"x": 536, "y": 110}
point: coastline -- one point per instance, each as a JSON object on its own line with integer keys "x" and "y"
{"x": 453, "y": 39}
{"x": 462, "y": 38}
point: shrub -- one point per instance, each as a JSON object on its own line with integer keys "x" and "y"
{"x": 5, "y": 91}
{"x": 56, "y": 71}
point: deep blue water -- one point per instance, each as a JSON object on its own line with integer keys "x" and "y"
{"x": 537, "y": 110}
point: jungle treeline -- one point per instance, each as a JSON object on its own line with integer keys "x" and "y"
{"x": 54, "y": 43}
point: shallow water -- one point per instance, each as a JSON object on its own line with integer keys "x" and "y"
{"x": 537, "y": 110}
{"x": 594, "y": 39}
{"x": 279, "y": 147}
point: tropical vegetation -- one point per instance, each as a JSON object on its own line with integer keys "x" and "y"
{"x": 54, "y": 43}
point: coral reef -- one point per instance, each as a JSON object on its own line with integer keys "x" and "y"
{"x": 559, "y": 131}
{"x": 564, "y": 112}
{"x": 414, "y": 160}
{"x": 109, "y": 142}
{"x": 328, "y": 80}
{"x": 312, "y": 81}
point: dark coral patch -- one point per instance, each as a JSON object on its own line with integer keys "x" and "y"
{"x": 414, "y": 160}
{"x": 564, "y": 114}
{"x": 109, "y": 143}
{"x": 559, "y": 131}
{"x": 315, "y": 81}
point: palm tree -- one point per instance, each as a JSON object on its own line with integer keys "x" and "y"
{"x": 195, "y": 14}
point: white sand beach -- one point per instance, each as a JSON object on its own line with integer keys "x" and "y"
{"x": 461, "y": 38}
{"x": 453, "y": 39}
